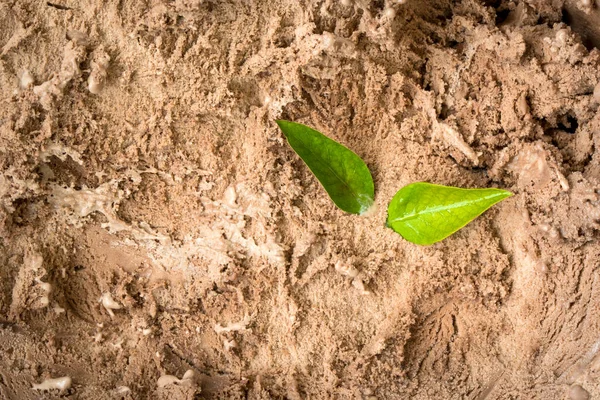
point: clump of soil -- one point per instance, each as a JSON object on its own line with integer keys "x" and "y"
{"x": 159, "y": 239}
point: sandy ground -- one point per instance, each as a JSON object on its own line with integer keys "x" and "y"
{"x": 153, "y": 220}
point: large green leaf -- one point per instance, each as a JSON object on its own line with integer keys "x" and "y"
{"x": 343, "y": 174}
{"x": 424, "y": 213}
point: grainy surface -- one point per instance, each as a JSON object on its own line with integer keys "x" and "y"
{"x": 140, "y": 163}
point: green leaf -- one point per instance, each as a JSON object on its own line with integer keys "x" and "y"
{"x": 343, "y": 174}
{"x": 424, "y": 213}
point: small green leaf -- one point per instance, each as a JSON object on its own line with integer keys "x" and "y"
{"x": 424, "y": 213}
{"x": 343, "y": 174}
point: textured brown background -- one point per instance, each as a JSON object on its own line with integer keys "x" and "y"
{"x": 171, "y": 189}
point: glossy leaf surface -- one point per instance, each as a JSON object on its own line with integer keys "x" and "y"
{"x": 343, "y": 174}
{"x": 424, "y": 213}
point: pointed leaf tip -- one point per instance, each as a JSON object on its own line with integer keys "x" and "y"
{"x": 343, "y": 174}
{"x": 424, "y": 213}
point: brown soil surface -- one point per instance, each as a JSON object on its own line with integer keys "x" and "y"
{"x": 153, "y": 220}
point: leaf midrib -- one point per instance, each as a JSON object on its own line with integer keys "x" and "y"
{"x": 434, "y": 209}
{"x": 307, "y": 147}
